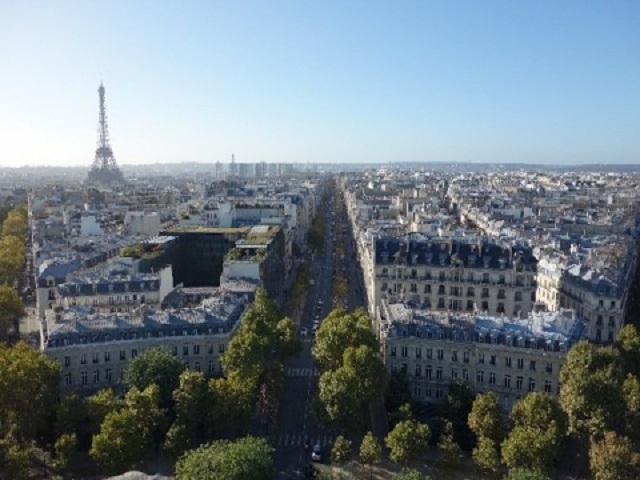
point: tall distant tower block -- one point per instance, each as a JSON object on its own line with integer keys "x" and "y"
{"x": 104, "y": 170}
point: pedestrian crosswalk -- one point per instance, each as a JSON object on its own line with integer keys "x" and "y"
{"x": 297, "y": 440}
{"x": 306, "y": 340}
{"x": 302, "y": 372}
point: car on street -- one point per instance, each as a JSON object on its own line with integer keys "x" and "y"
{"x": 304, "y": 331}
{"x": 316, "y": 453}
{"x": 312, "y": 282}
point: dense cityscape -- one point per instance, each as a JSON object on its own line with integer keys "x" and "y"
{"x": 408, "y": 322}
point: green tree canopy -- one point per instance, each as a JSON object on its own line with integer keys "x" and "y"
{"x": 338, "y": 393}
{"x": 524, "y": 474}
{"x": 364, "y": 363}
{"x": 248, "y": 458}
{"x": 535, "y": 442}
{"x": 28, "y": 390}
{"x": 590, "y": 392}
{"x": 485, "y": 418}
{"x": 11, "y": 259}
{"x": 628, "y": 344}
{"x": 341, "y": 451}
{"x": 339, "y": 331}
{"x": 156, "y": 366}
{"x": 98, "y": 406}
{"x": 449, "y": 452}
{"x": 407, "y": 441}
{"x": 11, "y": 309}
{"x": 370, "y": 451}
{"x": 127, "y": 433}
{"x": 456, "y": 409}
{"x": 486, "y": 456}
{"x": 613, "y": 458}
{"x": 411, "y": 474}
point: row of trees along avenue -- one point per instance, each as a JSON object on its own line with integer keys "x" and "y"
{"x": 12, "y": 261}
{"x": 164, "y": 409}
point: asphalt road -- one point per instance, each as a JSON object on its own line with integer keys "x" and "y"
{"x": 295, "y": 420}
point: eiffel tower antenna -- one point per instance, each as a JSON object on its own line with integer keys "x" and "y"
{"x": 104, "y": 169}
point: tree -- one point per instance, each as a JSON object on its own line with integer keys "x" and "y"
{"x": 407, "y": 441}
{"x": 449, "y": 451}
{"x": 66, "y": 448}
{"x": 16, "y": 461}
{"x": 486, "y": 456}
{"x": 287, "y": 341}
{"x": 126, "y": 434}
{"x": 11, "y": 309}
{"x": 410, "y": 474}
{"x": 156, "y": 366}
{"x": 370, "y": 451}
{"x": 631, "y": 394}
{"x": 535, "y": 442}
{"x": 248, "y": 458}
{"x": 591, "y": 393}
{"x": 524, "y": 474}
{"x": 397, "y": 392}
{"x": 613, "y": 458}
{"x": 456, "y": 409}
{"x": 365, "y": 365}
{"x": 340, "y": 451}
{"x": 485, "y": 418}
{"x": 15, "y": 224}
{"x": 28, "y": 390}
{"x": 628, "y": 344}
{"x": 98, "y": 406}
{"x": 229, "y": 403}
{"x": 11, "y": 259}
{"x": 338, "y": 394}
{"x": 71, "y": 415}
{"x": 339, "y": 331}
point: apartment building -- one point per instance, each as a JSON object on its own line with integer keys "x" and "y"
{"x": 94, "y": 349}
{"x": 453, "y": 274}
{"x": 508, "y": 356}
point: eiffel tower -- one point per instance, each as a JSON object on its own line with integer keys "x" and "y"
{"x": 104, "y": 170}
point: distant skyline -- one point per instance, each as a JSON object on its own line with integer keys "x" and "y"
{"x": 332, "y": 81}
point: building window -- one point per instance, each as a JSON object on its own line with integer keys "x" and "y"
{"x": 107, "y": 357}
{"x": 185, "y": 350}
{"x": 427, "y": 288}
{"x": 418, "y": 352}
{"x": 440, "y": 302}
{"x": 67, "y": 379}
{"x": 507, "y": 381}
{"x": 428, "y": 391}
{"x": 481, "y": 358}
{"x": 221, "y": 348}
{"x": 83, "y": 359}
{"x": 108, "y": 375}
{"x": 96, "y": 376}
{"x": 454, "y": 373}
{"x": 507, "y": 362}
{"x": 122, "y": 374}
{"x": 454, "y": 356}
{"x": 404, "y": 351}
{"x": 196, "y": 366}
{"x": 520, "y": 363}
{"x": 393, "y": 351}
{"x": 429, "y": 353}
{"x": 469, "y": 304}
{"x": 492, "y": 378}
{"x": 465, "y": 357}
{"x": 465, "y": 374}
{"x": 186, "y": 365}
{"x": 519, "y": 383}
{"x": 518, "y": 296}
{"x": 547, "y": 386}
{"x": 84, "y": 379}
{"x": 418, "y": 370}
{"x": 500, "y": 308}
{"x": 440, "y": 354}
{"x": 480, "y": 376}
{"x": 532, "y": 384}
{"x": 439, "y": 373}
{"x": 548, "y": 367}
{"x": 532, "y": 365}
{"x": 123, "y": 355}
{"x": 196, "y": 350}
{"x": 134, "y": 353}
{"x": 417, "y": 391}
{"x": 438, "y": 392}
{"x": 212, "y": 367}
{"x": 492, "y": 360}
{"x": 67, "y": 361}
{"x": 427, "y": 371}
{"x": 174, "y": 350}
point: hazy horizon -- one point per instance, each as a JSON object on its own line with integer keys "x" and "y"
{"x": 542, "y": 83}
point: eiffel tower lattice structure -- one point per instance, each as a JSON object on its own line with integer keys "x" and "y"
{"x": 104, "y": 170}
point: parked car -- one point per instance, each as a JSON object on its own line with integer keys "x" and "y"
{"x": 316, "y": 453}
{"x": 304, "y": 331}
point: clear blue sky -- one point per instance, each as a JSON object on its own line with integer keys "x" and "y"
{"x": 326, "y": 81}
